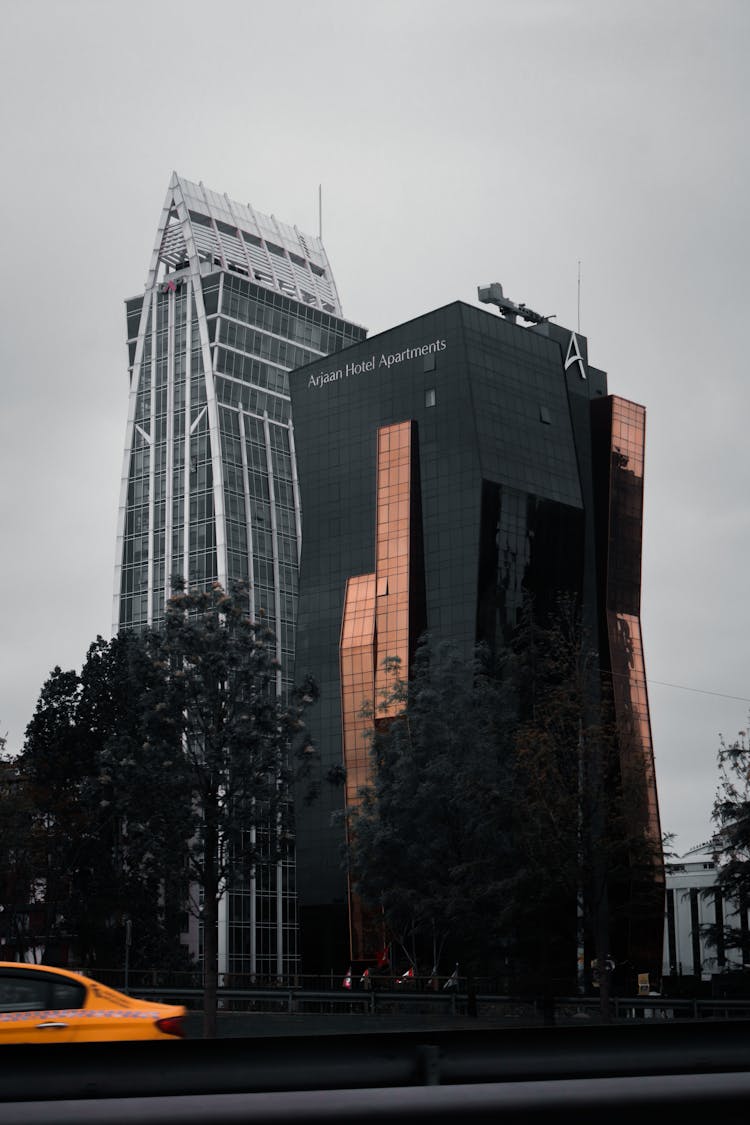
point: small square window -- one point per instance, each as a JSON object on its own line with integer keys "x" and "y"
{"x": 544, "y": 415}
{"x": 429, "y": 396}
{"x": 429, "y": 362}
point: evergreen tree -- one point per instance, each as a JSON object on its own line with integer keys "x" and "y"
{"x": 92, "y": 881}
{"x": 21, "y": 912}
{"x": 562, "y": 800}
{"x": 164, "y": 766}
{"x": 221, "y": 740}
{"x": 143, "y": 793}
{"x": 428, "y": 841}
{"x": 60, "y": 764}
{"x": 500, "y": 814}
{"x": 731, "y": 815}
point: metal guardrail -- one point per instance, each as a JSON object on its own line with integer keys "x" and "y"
{"x": 664, "y": 1008}
{"x": 382, "y": 1002}
{"x": 297, "y": 1001}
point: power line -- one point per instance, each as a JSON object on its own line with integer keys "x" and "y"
{"x": 701, "y": 691}
{"x": 680, "y": 687}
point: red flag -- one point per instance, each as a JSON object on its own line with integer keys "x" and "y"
{"x": 347, "y": 981}
{"x": 407, "y": 975}
{"x": 382, "y": 957}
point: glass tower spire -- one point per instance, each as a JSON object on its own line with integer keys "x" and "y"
{"x": 234, "y": 299}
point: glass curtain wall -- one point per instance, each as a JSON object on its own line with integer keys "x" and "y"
{"x": 234, "y": 300}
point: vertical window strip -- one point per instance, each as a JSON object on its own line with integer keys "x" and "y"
{"x": 189, "y": 310}
{"x": 274, "y": 543}
{"x": 169, "y": 465}
{"x": 152, "y": 464}
{"x": 248, "y": 512}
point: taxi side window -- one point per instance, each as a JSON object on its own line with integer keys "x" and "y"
{"x": 67, "y": 994}
{"x": 37, "y": 992}
{"x": 22, "y": 994}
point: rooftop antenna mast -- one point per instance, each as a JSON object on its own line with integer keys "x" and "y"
{"x": 579, "y": 294}
{"x": 320, "y": 212}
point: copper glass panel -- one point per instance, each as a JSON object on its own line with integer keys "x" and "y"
{"x": 393, "y": 529}
{"x": 629, "y": 687}
{"x": 357, "y": 658}
{"x": 357, "y": 665}
{"x": 375, "y": 627}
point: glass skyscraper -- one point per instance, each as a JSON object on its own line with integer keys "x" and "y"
{"x": 234, "y": 299}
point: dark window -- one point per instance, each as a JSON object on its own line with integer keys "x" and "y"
{"x": 67, "y": 994}
{"x": 22, "y": 994}
{"x": 37, "y": 992}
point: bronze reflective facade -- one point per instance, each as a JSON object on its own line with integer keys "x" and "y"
{"x": 620, "y": 434}
{"x": 451, "y": 470}
{"x": 378, "y": 623}
{"x": 357, "y": 679}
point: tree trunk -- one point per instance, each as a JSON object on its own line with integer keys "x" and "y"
{"x": 472, "y": 1008}
{"x": 603, "y": 963}
{"x": 548, "y": 1003}
{"x": 604, "y": 993}
{"x": 210, "y": 935}
{"x": 547, "y": 997}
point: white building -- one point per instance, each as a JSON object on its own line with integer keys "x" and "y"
{"x": 694, "y": 902}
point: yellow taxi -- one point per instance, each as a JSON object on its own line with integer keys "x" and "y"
{"x": 42, "y": 1004}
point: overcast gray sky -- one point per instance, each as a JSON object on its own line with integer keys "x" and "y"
{"x": 456, "y": 144}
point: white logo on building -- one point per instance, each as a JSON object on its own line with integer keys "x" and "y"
{"x": 574, "y": 355}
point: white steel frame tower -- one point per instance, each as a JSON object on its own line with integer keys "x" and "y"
{"x": 234, "y": 300}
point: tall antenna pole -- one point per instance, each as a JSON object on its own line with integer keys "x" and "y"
{"x": 320, "y": 211}
{"x": 579, "y": 294}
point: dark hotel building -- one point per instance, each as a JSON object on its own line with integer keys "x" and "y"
{"x": 449, "y": 469}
